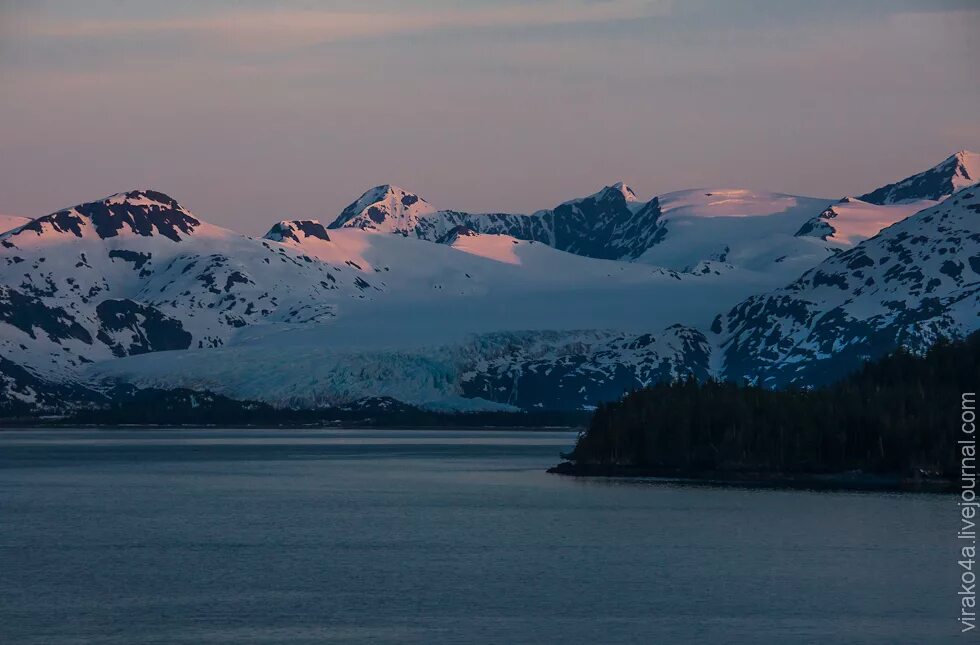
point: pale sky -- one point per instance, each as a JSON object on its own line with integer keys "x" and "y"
{"x": 248, "y": 114}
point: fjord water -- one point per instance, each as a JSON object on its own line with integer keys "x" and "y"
{"x": 191, "y": 536}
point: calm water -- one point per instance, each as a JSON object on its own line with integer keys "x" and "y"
{"x": 433, "y": 537}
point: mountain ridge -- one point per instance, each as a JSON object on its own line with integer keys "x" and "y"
{"x": 957, "y": 171}
{"x": 912, "y": 283}
{"x": 563, "y": 307}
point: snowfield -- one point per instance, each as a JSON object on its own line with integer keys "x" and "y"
{"x": 851, "y": 220}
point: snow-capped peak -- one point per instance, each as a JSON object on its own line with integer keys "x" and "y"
{"x": 384, "y": 208}
{"x": 146, "y": 213}
{"x": 615, "y": 191}
{"x": 385, "y": 192}
{"x": 939, "y": 182}
{"x": 627, "y": 192}
{"x": 143, "y": 197}
{"x": 297, "y": 231}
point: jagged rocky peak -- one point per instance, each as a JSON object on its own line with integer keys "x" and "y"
{"x": 297, "y": 231}
{"x": 616, "y": 191}
{"x": 939, "y": 182}
{"x": 137, "y": 212}
{"x": 384, "y": 207}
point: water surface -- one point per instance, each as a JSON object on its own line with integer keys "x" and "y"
{"x": 190, "y": 536}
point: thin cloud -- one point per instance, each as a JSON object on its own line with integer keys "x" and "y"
{"x": 270, "y": 28}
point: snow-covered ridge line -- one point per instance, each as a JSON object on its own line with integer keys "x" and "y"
{"x": 144, "y": 213}
{"x": 939, "y": 182}
{"x": 613, "y": 224}
{"x": 399, "y": 298}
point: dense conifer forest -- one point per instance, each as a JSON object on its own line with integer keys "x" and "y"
{"x": 898, "y": 415}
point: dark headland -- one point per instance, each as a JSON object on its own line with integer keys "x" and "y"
{"x": 893, "y": 425}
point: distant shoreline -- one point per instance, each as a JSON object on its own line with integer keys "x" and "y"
{"x": 6, "y": 427}
{"x": 846, "y": 481}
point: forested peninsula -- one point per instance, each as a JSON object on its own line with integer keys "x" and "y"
{"x": 892, "y": 425}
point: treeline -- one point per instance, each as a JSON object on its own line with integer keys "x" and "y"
{"x": 898, "y": 415}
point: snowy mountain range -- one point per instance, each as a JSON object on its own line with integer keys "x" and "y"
{"x": 557, "y": 309}
{"x": 913, "y": 283}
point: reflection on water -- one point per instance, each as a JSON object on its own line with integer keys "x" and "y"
{"x": 440, "y": 536}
